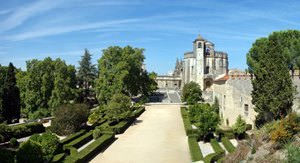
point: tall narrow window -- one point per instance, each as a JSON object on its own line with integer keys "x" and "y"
{"x": 199, "y": 45}
{"x": 246, "y": 109}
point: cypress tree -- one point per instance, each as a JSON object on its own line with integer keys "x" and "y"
{"x": 11, "y": 96}
{"x": 273, "y": 89}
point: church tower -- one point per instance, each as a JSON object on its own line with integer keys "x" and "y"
{"x": 199, "y": 51}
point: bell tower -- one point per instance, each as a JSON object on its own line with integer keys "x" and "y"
{"x": 199, "y": 51}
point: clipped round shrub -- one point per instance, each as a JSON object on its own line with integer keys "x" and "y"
{"x": 29, "y": 152}
{"x": 97, "y": 133}
{"x": 13, "y": 142}
{"x": 49, "y": 144}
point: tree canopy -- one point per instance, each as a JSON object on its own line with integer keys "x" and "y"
{"x": 86, "y": 75}
{"x": 270, "y": 60}
{"x": 191, "y": 93}
{"x": 121, "y": 71}
{"x": 46, "y": 84}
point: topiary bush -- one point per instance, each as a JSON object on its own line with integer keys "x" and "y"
{"x": 29, "y": 152}
{"x": 49, "y": 143}
{"x": 97, "y": 133}
{"x": 13, "y": 142}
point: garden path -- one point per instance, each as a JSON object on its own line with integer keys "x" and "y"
{"x": 157, "y": 136}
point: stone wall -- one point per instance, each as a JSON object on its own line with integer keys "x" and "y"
{"x": 234, "y": 96}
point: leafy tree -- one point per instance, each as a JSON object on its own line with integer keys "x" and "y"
{"x": 119, "y": 107}
{"x": 69, "y": 118}
{"x": 46, "y": 84}
{"x": 120, "y": 71}
{"x": 49, "y": 143}
{"x": 86, "y": 75}
{"x": 148, "y": 83}
{"x": 287, "y": 43}
{"x": 3, "y": 72}
{"x": 273, "y": 89}
{"x": 10, "y": 96}
{"x": 206, "y": 119}
{"x": 64, "y": 84}
{"x": 240, "y": 126}
{"x": 191, "y": 93}
{"x": 29, "y": 152}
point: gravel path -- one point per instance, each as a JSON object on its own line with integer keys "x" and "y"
{"x": 157, "y": 137}
{"x": 206, "y": 148}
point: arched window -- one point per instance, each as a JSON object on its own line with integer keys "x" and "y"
{"x": 199, "y": 45}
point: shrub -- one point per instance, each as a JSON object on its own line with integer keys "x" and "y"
{"x": 7, "y": 156}
{"x": 13, "y": 142}
{"x": 292, "y": 153}
{"x": 195, "y": 151}
{"x": 240, "y": 126}
{"x": 97, "y": 133}
{"x": 69, "y": 118}
{"x": 228, "y": 145}
{"x": 49, "y": 143}
{"x": 286, "y": 128}
{"x": 29, "y": 152}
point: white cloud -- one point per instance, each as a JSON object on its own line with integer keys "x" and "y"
{"x": 65, "y": 29}
{"x": 19, "y": 15}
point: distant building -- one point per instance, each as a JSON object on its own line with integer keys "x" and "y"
{"x": 209, "y": 68}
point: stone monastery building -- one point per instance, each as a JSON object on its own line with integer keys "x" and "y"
{"x": 209, "y": 68}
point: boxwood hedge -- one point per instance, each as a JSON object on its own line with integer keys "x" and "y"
{"x": 19, "y": 131}
{"x": 87, "y": 153}
{"x": 228, "y": 145}
{"x": 195, "y": 151}
{"x": 80, "y": 141}
{"x": 72, "y": 137}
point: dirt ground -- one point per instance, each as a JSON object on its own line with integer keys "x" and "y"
{"x": 157, "y": 137}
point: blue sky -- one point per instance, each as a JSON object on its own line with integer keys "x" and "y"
{"x": 165, "y": 29}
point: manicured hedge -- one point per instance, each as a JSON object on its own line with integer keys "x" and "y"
{"x": 80, "y": 141}
{"x": 138, "y": 112}
{"x": 213, "y": 157}
{"x": 87, "y": 153}
{"x": 58, "y": 158}
{"x": 19, "y": 131}
{"x": 216, "y": 146}
{"x": 72, "y": 137}
{"x": 99, "y": 122}
{"x": 227, "y": 133}
{"x": 187, "y": 123}
{"x": 195, "y": 151}
{"x": 228, "y": 145}
{"x": 121, "y": 126}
